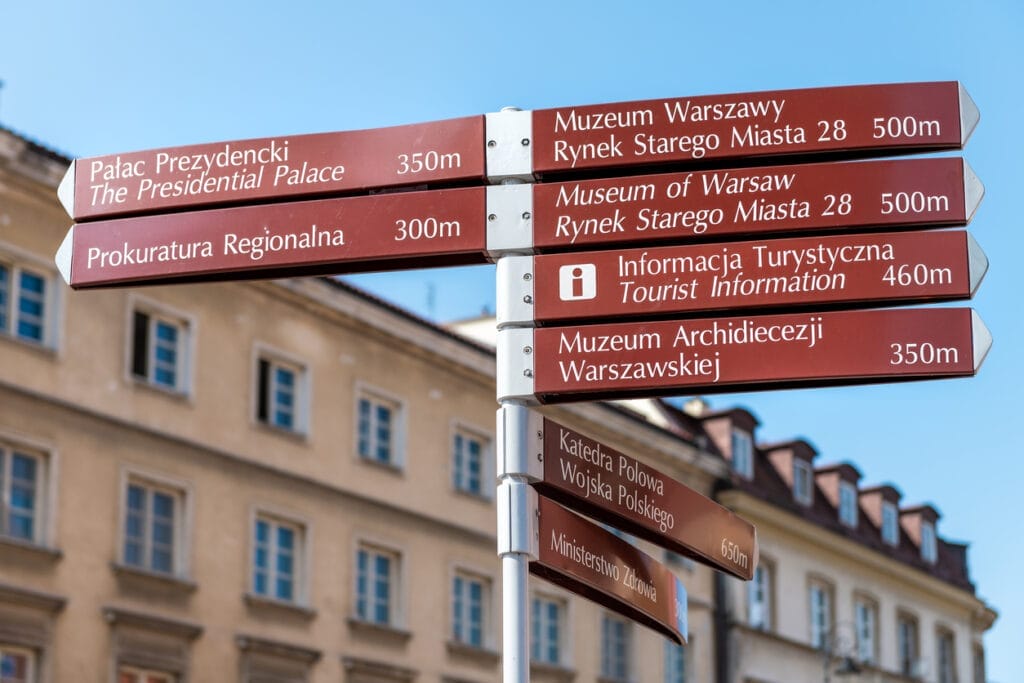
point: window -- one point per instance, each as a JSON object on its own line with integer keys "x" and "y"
{"x": 802, "y": 482}
{"x": 759, "y": 605}
{"x": 377, "y": 585}
{"x": 742, "y": 454}
{"x": 25, "y": 303}
{"x": 946, "y": 656}
{"x": 929, "y": 549}
{"x": 378, "y": 430}
{"x": 616, "y": 648}
{"x": 821, "y": 614}
{"x": 675, "y": 663}
{"x": 866, "y": 624}
{"x": 160, "y": 350}
{"x": 469, "y": 462}
{"x": 152, "y": 521}
{"x": 848, "y": 504}
{"x": 890, "y": 524}
{"x": 127, "y": 674}
{"x": 470, "y": 613}
{"x": 17, "y": 665}
{"x": 277, "y": 559}
{"x": 547, "y": 617}
{"x": 21, "y": 494}
{"x": 281, "y": 399}
{"x": 906, "y": 644}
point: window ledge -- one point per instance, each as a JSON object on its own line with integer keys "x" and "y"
{"x": 481, "y": 497}
{"x": 294, "y": 608}
{"x": 138, "y": 574}
{"x": 31, "y": 548}
{"x": 483, "y": 655}
{"x": 289, "y": 434}
{"x": 384, "y": 631}
{"x": 38, "y": 347}
{"x": 392, "y": 467}
{"x": 143, "y": 384}
{"x": 558, "y": 672}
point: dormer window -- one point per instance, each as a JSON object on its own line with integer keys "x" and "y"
{"x": 848, "y": 504}
{"x": 890, "y": 526}
{"x": 802, "y": 482}
{"x": 742, "y": 454}
{"x": 929, "y": 545}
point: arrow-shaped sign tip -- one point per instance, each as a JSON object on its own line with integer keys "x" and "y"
{"x": 63, "y": 257}
{"x": 974, "y": 190}
{"x": 982, "y": 339}
{"x": 66, "y": 190}
{"x": 969, "y": 115}
{"x": 977, "y": 263}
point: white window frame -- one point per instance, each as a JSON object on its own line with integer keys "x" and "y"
{"x": 890, "y": 523}
{"x": 865, "y": 616}
{"x": 302, "y": 390}
{"x": 181, "y": 492}
{"x": 540, "y": 649}
{"x": 300, "y": 556}
{"x": 488, "y": 611}
{"x": 803, "y": 482}
{"x": 820, "y": 612}
{"x": 377, "y": 397}
{"x": 609, "y": 660}
{"x": 929, "y": 542}
{"x": 742, "y": 448}
{"x": 945, "y": 658}
{"x": 759, "y": 597}
{"x": 677, "y": 662}
{"x": 907, "y": 662}
{"x": 15, "y": 261}
{"x": 28, "y": 654}
{"x": 158, "y": 312}
{"x": 485, "y": 476}
{"x": 848, "y": 504}
{"x": 40, "y": 492}
{"x": 395, "y": 606}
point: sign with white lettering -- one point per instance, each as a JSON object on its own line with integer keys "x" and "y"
{"x": 840, "y": 271}
{"x": 584, "y": 558}
{"x": 586, "y": 475}
{"x": 274, "y": 168}
{"x": 864, "y": 120}
{"x": 317, "y": 237}
{"x": 591, "y": 362}
{"x": 709, "y": 205}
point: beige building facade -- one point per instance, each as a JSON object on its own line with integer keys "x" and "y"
{"x": 293, "y": 481}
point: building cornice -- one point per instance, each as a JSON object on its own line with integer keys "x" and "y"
{"x": 762, "y": 514}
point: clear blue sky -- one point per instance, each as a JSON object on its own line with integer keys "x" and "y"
{"x": 93, "y": 78}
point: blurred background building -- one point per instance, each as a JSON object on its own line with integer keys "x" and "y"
{"x": 292, "y": 480}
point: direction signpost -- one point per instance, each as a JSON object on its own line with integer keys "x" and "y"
{"x": 585, "y": 475}
{"x": 711, "y": 355}
{"x": 322, "y": 236}
{"x": 838, "y": 270}
{"x": 586, "y": 559}
{"x": 392, "y": 198}
{"x": 861, "y": 120}
{"x": 245, "y": 171}
{"x": 670, "y": 208}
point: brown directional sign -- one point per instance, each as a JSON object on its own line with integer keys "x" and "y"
{"x": 325, "y": 236}
{"x": 586, "y": 475}
{"x": 703, "y": 205}
{"x": 274, "y": 168}
{"x": 586, "y": 559}
{"x": 756, "y": 352}
{"x": 844, "y": 270}
{"x": 862, "y": 120}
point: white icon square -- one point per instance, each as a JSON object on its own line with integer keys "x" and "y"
{"x": 577, "y": 282}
